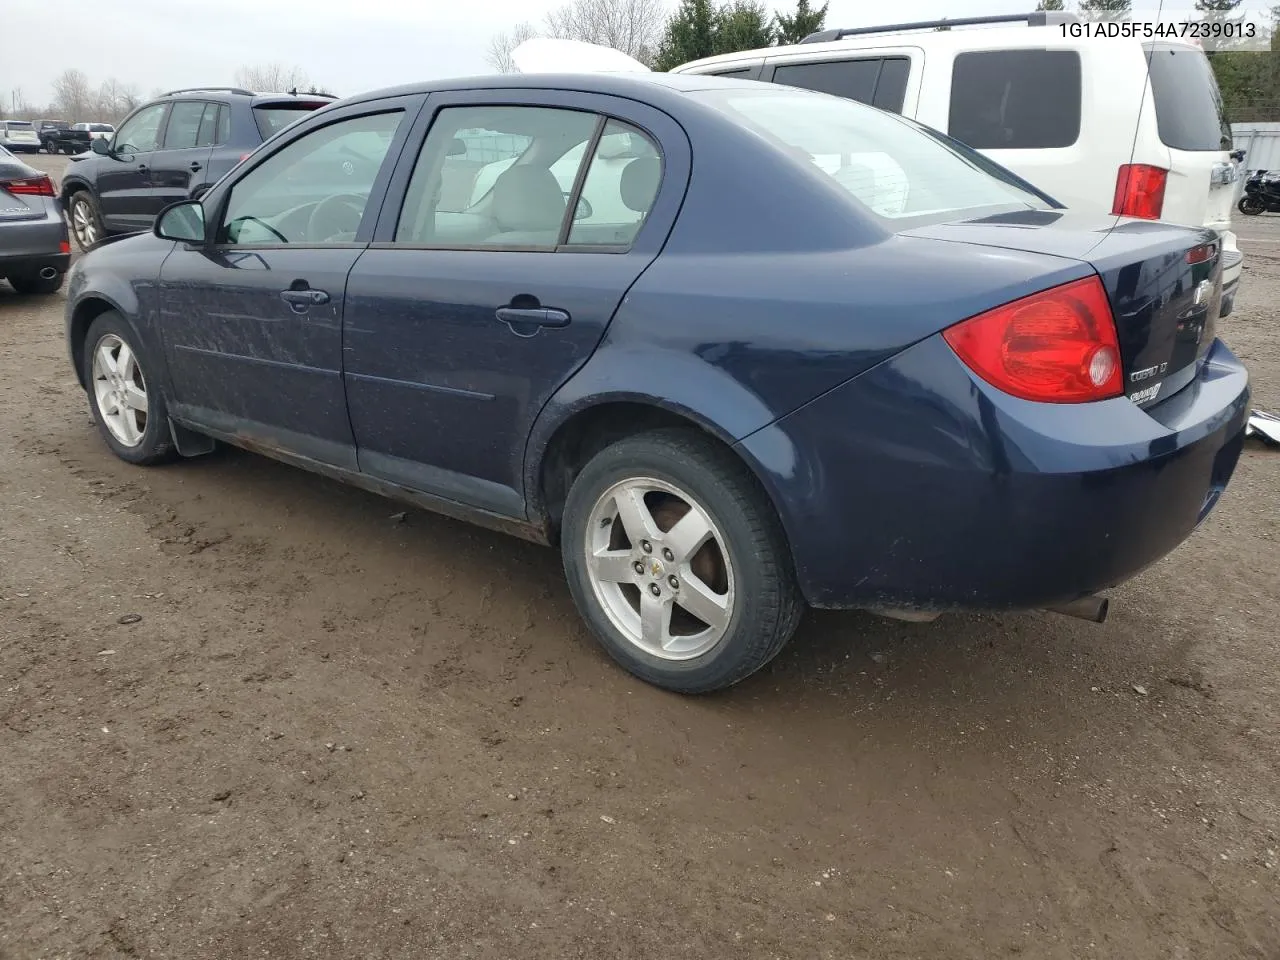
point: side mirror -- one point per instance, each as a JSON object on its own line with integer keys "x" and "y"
{"x": 101, "y": 146}
{"x": 182, "y": 221}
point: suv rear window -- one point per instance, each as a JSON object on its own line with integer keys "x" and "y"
{"x": 273, "y": 118}
{"x": 19, "y": 125}
{"x": 1016, "y": 99}
{"x": 881, "y": 82}
{"x": 1189, "y": 111}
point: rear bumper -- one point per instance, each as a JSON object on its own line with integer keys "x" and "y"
{"x": 29, "y": 245}
{"x": 1232, "y": 270}
{"x": 916, "y": 487}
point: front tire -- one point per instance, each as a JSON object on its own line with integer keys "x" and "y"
{"x": 1251, "y": 206}
{"x": 86, "y": 223}
{"x": 127, "y": 406}
{"x": 677, "y": 562}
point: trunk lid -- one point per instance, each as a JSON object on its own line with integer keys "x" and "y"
{"x": 1164, "y": 283}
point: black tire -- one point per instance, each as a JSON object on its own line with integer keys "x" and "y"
{"x": 86, "y": 198}
{"x": 33, "y": 284}
{"x": 1250, "y": 206}
{"x": 156, "y": 443}
{"x": 767, "y": 606}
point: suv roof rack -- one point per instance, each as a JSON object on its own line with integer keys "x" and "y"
{"x": 1037, "y": 18}
{"x": 239, "y": 90}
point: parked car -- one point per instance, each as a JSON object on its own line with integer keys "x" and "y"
{"x": 754, "y": 381}
{"x": 1123, "y": 126}
{"x": 169, "y": 149}
{"x": 65, "y": 139}
{"x": 19, "y": 136}
{"x": 34, "y": 248}
{"x": 96, "y": 131}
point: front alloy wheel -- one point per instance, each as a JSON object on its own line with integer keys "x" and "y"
{"x": 120, "y": 389}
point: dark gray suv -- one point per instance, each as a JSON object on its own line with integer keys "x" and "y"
{"x": 173, "y": 148}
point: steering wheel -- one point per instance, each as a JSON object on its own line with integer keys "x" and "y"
{"x": 336, "y": 216}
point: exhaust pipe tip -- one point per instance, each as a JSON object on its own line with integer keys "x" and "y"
{"x": 1092, "y": 608}
{"x": 47, "y": 273}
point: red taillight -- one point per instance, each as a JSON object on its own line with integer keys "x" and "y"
{"x": 30, "y": 187}
{"x": 64, "y": 247}
{"x": 1056, "y": 346}
{"x": 1206, "y": 251}
{"x": 1139, "y": 191}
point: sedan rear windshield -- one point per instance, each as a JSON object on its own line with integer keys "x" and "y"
{"x": 891, "y": 166}
{"x": 275, "y": 117}
{"x": 1189, "y": 113}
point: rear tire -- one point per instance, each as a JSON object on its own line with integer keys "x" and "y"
{"x": 32, "y": 284}
{"x": 677, "y": 562}
{"x": 124, "y": 394}
{"x": 86, "y": 222}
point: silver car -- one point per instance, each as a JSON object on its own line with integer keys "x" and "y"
{"x": 19, "y": 135}
{"x": 35, "y": 250}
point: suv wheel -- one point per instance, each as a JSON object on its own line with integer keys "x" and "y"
{"x": 677, "y": 562}
{"x": 86, "y": 224}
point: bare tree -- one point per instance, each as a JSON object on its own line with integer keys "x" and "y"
{"x": 272, "y": 78}
{"x": 500, "y": 47}
{"x": 116, "y": 99}
{"x": 632, "y": 26}
{"x": 72, "y": 95}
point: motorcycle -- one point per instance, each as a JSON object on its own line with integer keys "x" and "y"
{"x": 1261, "y": 194}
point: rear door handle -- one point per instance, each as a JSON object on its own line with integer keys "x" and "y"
{"x": 300, "y": 300}
{"x": 515, "y": 317}
{"x": 142, "y": 168}
{"x": 195, "y": 166}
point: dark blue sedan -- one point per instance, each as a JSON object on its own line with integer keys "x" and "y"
{"x": 735, "y": 348}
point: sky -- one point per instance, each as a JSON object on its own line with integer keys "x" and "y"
{"x": 348, "y": 46}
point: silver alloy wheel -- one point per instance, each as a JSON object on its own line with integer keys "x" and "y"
{"x": 120, "y": 390}
{"x": 660, "y": 568}
{"x": 83, "y": 223}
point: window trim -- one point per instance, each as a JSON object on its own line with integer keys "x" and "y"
{"x": 603, "y": 117}
{"x": 410, "y": 106}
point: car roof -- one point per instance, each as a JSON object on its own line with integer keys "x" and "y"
{"x": 640, "y": 86}
{"x": 931, "y": 39}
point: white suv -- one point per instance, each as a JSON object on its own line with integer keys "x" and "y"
{"x": 1117, "y": 126}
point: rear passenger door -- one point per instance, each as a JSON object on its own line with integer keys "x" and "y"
{"x": 184, "y": 152}
{"x": 489, "y": 282}
{"x": 882, "y": 79}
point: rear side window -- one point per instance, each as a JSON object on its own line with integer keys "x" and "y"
{"x": 184, "y": 125}
{"x": 734, "y": 73}
{"x": 274, "y": 118}
{"x": 1016, "y": 99}
{"x": 861, "y": 80}
{"x": 1189, "y": 111}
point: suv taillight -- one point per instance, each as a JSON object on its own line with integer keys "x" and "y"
{"x": 1056, "y": 346}
{"x": 29, "y": 187}
{"x": 1139, "y": 191}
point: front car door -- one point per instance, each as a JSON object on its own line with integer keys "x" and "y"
{"x": 481, "y": 294}
{"x": 125, "y": 195}
{"x": 252, "y": 322}
{"x": 183, "y": 153}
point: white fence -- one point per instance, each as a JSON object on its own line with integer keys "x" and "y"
{"x": 1261, "y": 143}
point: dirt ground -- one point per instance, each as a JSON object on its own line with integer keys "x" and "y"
{"x": 334, "y": 733}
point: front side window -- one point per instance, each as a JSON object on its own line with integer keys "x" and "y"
{"x": 313, "y": 191}
{"x": 891, "y": 167}
{"x": 1016, "y": 99}
{"x": 141, "y": 132}
{"x": 497, "y": 176}
{"x": 184, "y": 124}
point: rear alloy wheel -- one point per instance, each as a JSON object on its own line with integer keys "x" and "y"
{"x": 85, "y": 222}
{"x": 677, "y": 562}
{"x": 130, "y": 413}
